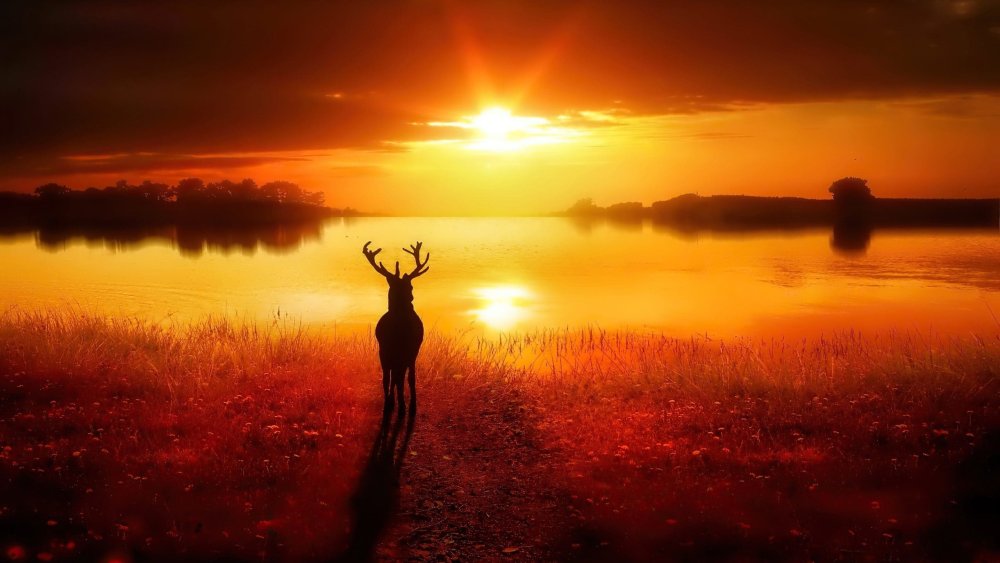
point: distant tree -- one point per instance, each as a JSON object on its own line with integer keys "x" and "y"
{"x": 52, "y": 191}
{"x": 269, "y": 192}
{"x": 626, "y": 209}
{"x": 152, "y": 191}
{"x": 584, "y": 206}
{"x": 851, "y": 190}
{"x": 18, "y": 198}
{"x": 281, "y": 191}
{"x": 315, "y": 198}
{"x": 222, "y": 190}
{"x": 189, "y": 190}
{"x": 246, "y": 190}
{"x": 120, "y": 190}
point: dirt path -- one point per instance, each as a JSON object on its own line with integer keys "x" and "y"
{"x": 475, "y": 483}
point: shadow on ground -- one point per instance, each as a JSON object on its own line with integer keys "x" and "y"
{"x": 376, "y": 498}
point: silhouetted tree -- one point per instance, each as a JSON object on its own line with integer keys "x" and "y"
{"x": 153, "y": 191}
{"x": 851, "y": 190}
{"x": 120, "y": 190}
{"x": 190, "y": 190}
{"x": 245, "y": 190}
{"x": 190, "y": 201}
{"x": 315, "y": 198}
{"x": 584, "y": 207}
{"x": 281, "y": 191}
{"x": 626, "y": 209}
{"x": 221, "y": 190}
{"x": 52, "y": 191}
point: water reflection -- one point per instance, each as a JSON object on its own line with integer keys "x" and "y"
{"x": 526, "y": 273}
{"x": 851, "y": 238}
{"x": 189, "y": 239}
{"x": 501, "y": 307}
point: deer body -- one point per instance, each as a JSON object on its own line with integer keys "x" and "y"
{"x": 399, "y": 336}
{"x": 400, "y": 331}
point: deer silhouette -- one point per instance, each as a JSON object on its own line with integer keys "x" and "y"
{"x": 399, "y": 332}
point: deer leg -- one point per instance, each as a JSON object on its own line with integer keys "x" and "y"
{"x": 398, "y": 375}
{"x": 413, "y": 385}
{"x": 386, "y": 391}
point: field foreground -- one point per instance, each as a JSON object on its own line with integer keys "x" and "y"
{"x": 124, "y": 440}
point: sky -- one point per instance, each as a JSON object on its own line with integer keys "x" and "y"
{"x": 505, "y": 106}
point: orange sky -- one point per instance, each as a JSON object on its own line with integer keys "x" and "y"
{"x": 441, "y": 107}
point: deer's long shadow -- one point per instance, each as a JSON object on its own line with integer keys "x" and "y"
{"x": 376, "y": 497}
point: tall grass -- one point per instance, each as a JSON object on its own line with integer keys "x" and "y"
{"x": 233, "y": 350}
{"x": 241, "y": 418}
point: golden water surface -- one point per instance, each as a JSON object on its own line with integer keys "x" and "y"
{"x": 490, "y": 275}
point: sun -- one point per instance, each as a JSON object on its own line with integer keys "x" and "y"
{"x": 501, "y": 307}
{"x": 496, "y": 123}
{"x": 498, "y": 129}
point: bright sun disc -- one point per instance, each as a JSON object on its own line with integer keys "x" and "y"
{"x": 497, "y": 129}
{"x": 501, "y": 307}
{"x": 502, "y": 131}
{"x": 495, "y": 123}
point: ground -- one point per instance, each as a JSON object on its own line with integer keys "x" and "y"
{"x": 477, "y": 484}
{"x": 124, "y": 441}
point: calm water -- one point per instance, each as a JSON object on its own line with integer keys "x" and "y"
{"x": 519, "y": 274}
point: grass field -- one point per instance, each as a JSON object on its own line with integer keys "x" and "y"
{"x": 123, "y": 439}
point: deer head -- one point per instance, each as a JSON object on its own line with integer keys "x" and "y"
{"x": 400, "y": 286}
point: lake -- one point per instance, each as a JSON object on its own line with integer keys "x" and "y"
{"x": 492, "y": 275}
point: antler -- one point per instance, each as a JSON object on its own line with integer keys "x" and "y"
{"x": 421, "y": 267}
{"x": 379, "y": 267}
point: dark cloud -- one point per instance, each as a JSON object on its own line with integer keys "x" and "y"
{"x": 239, "y": 76}
{"x": 126, "y": 163}
{"x": 956, "y": 107}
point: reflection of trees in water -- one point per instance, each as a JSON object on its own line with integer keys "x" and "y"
{"x": 189, "y": 239}
{"x": 275, "y": 238}
{"x": 587, "y": 224}
{"x": 851, "y": 238}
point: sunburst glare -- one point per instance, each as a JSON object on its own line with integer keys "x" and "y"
{"x": 497, "y": 129}
{"x": 501, "y": 307}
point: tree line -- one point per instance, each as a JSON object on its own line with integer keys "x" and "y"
{"x": 186, "y": 191}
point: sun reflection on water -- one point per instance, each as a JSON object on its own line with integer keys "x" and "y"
{"x": 501, "y": 307}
